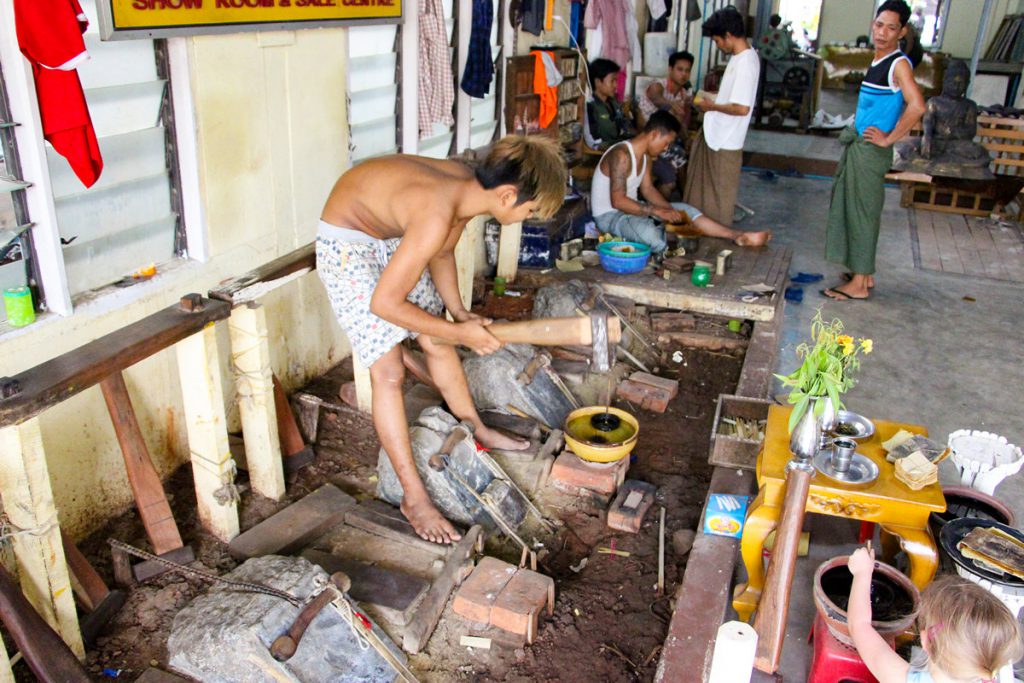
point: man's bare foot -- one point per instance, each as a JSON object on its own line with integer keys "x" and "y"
{"x": 871, "y": 279}
{"x": 428, "y": 522}
{"x": 491, "y": 438}
{"x": 754, "y": 239}
{"x": 841, "y": 294}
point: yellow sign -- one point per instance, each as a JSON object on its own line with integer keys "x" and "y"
{"x": 175, "y": 14}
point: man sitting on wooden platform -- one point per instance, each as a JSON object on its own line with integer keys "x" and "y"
{"x": 622, "y": 173}
{"x": 384, "y": 252}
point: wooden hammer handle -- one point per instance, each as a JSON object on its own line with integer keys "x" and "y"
{"x": 573, "y": 331}
{"x": 285, "y": 646}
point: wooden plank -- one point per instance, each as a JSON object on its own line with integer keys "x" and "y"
{"x": 948, "y": 254}
{"x": 387, "y": 588}
{"x": 49, "y": 383}
{"x": 388, "y": 526}
{"x": 213, "y": 469}
{"x": 147, "y": 490}
{"x": 969, "y": 256}
{"x": 300, "y": 259}
{"x": 509, "y": 243}
{"x": 296, "y": 526}
{"x": 254, "y": 386}
{"x": 433, "y": 603}
{"x": 986, "y": 247}
{"x": 704, "y": 594}
{"x": 1011, "y": 250}
{"x": 928, "y": 246}
{"x": 28, "y": 503}
{"x": 88, "y": 584}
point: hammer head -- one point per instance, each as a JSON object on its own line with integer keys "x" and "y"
{"x": 603, "y": 348}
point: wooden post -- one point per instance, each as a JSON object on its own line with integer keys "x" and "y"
{"x": 28, "y": 502}
{"x": 6, "y": 675}
{"x": 508, "y": 250}
{"x": 250, "y": 356}
{"x": 364, "y": 389}
{"x": 773, "y": 609}
{"x": 465, "y": 258}
{"x": 212, "y": 466}
{"x": 149, "y": 495}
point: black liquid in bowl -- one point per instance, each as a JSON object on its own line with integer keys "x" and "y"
{"x": 889, "y": 600}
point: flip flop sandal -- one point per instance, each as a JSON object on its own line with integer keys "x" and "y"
{"x": 842, "y": 296}
{"x": 806, "y": 278}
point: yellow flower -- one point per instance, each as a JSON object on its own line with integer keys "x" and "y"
{"x": 848, "y": 349}
{"x": 866, "y": 345}
{"x": 844, "y": 339}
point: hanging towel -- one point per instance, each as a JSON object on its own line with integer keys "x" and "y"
{"x": 548, "y": 94}
{"x": 476, "y": 78}
{"x": 633, "y": 34}
{"x": 436, "y": 88}
{"x": 50, "y": 37}
{"x": 610, "y": 16}
{"x": 657, "y": 8}
{"x": 534, "y": 14}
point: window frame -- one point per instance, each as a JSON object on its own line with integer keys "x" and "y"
{"x": 48, "y": 262}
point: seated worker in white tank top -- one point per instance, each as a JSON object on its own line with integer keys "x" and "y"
{"x": 622, "y": 177}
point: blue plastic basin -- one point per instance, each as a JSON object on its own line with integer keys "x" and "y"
{"x": 616, "y": 261}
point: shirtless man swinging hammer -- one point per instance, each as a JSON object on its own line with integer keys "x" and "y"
{"x": 384, "y": 252}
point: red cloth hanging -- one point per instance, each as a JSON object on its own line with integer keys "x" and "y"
{"x": 50, "y": 37}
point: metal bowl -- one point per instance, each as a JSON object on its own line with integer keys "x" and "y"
{"x": 862, "y": 470}
{"x": 861, "y": 427}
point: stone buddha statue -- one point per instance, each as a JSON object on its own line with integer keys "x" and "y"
{"x": 947, "y": 147}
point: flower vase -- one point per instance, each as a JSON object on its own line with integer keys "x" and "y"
{"x": 827, "y": 420}
{"x": 805, "y": 438}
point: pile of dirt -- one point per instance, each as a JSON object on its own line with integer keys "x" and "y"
{"x": 609, "y": 621}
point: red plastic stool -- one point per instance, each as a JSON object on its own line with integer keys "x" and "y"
{"x": 833, "y": 661}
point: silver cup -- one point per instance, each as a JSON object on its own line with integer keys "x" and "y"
{"x": 842, "y": 453}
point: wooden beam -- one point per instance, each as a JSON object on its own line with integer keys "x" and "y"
{"x": 250, "y": 359}
{"x": 364, "y": 389}
{"x": 508, "y": 250}
{"x": 28, "y": 503}
{"x": 212, "y": 466}
{"x": 149, "y": 495}
{"x": 57, "y": 380}
{"x": 88, "y": 584}
{"x": 465, "y": 258}
{"x": 300, "y": 259}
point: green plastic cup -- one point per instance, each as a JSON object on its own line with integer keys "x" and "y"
{"x": 734, "y": 325}
{"x": 18, "y": 304}
{"x": 499, "y": 286}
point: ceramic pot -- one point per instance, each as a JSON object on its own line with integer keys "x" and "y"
{"x": 806, "y": 435}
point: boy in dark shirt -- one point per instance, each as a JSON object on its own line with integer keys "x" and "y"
{"x": 606, "y": 122}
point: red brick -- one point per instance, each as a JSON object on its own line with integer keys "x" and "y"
{"x": 630, "y": 518}
{"x": 669, "y": 385}
{"x": 477, "y": 594}
{"x": 569, "y": 474}
{"x": 519, "y": 604}
{"x": 647, "y": 397}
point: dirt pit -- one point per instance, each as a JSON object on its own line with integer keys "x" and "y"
{"x": 609, "y": 621}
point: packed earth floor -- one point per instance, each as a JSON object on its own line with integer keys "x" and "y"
{"x": 609, "y": 620}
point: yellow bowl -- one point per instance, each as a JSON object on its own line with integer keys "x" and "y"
{"x": 600, "y": 452}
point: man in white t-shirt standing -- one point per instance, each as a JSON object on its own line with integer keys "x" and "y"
{"x": 714, "y": 176}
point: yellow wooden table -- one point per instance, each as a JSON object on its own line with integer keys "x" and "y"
{"x": 902, "y": 513}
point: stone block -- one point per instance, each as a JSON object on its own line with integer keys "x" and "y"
{"x": 478, "y": 593}
{"x": 646, "y": 396}
{"x": 569, "y": 473}
{"x": 628, "y": 510}
{"x": 520, "y": 602}
{"x": 669, "y": 385}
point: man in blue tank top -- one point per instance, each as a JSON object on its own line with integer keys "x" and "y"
{"x": 889, "y": 105}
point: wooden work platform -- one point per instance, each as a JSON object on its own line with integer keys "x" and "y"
{"x": 967, "y": 245}
{"x": 749, "y": 266}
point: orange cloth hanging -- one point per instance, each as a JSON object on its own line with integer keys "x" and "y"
{"x": 548, "y": 95}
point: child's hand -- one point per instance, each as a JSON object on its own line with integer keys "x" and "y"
{"x": 862, "y": 562}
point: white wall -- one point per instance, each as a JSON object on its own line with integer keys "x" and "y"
{"x": 272, "y": 135}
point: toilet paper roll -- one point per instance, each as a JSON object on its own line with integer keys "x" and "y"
{"x": 734, "y": 653}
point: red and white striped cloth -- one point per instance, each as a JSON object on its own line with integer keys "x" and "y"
{"x": 436, "y": 79}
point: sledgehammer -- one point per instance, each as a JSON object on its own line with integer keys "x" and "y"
{"x": 598, "y": 331}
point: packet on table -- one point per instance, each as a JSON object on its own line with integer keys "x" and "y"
{"x": 725, "y": 515}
